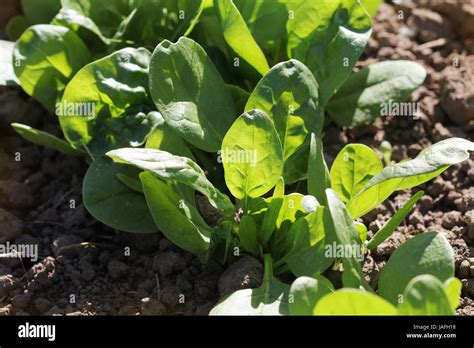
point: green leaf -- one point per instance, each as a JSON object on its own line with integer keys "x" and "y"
{"x": 343, "y": 234}
{"x": 7, "y": 75}
{"x": 252, "y": 155}
{"x": 163, "y": 138}
{"x": 353, "y": 302}
{"x": 371, "y": 6}
{"x": 328, "y": 36}
{"x": 112, "y": 111}
{"x": 288, "y": 94}
{"x": 40, "y": 11}
{"x": 271, "y": 298}
{"x": 45, "y": 58}
{"x": 100, "y": 18}
{"x": 373, "y": 91}
{"x": 45, "y": 139}
{"x": 190, "y": 93}
{"x": 170, "y": 20}
{"x": 393, "y": 223}
{"x": 240, "y": 40}
{"x": 427, "y": 165}
{"x": 248, "y": 234}
{"x": 111, "y": 202}
{"x": 426, "y": 253}
{"x": 176, "y": 218}
{"x": 424, "y": 295}
{"x": 271, "y": 215}
{"x": 352, "y": 169}
{"x": 362, "y": 229}
{"x": 132, "y": 182}
{"x": 169, "y": 167}
{"x": 305, "y": 292}
{"x": 318, "y": 173}
{"x": 16, "y": 26}
{"x": 452, "y": 289}
{"x": 240, "y": 97}
{"x": 306, "y": 244}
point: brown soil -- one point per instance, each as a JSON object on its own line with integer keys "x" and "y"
{"x": 85, "y": 268}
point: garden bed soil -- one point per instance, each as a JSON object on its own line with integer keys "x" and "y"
{"x": 86, "y": 268}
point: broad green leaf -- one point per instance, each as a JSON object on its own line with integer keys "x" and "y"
{"x": 393, "y": 223}
{"x": 353, "y": 302}
{"x": 343, "y": 234}
{"x": 271, "y": 298}
{"x": 452, "y": 288}
{"x": 111, "y": 202}
{"x": 424, "y": 295}
{"x": 266, "y": 20}
{"x": 112, "y": 111}
{"x": 190, "y": 94}
{"x": 221, "y": 242}
{"x": 426, "y": 253}
{"x": 169, "y": 167}
{"x": 371, "y": 6}
{"x": 45, "y": 58}
{"x": 240, "y": 40}
{"x": 170, "y": 20}
{"x": 252, "y": 155}
{"x": 7, "y": 75}
{"x": 176, "y": 218}
{"x": 40, "y": 11}
{"x": 248, "y": 234}
{"x": 16, "y": 26}
{"x": 101, "y": 18}
{"x": 45, "y": 139}
{"x": 352, "y": 169}
{"x": 427, "y": 165}
{"x": 328, "y": 36}
{"x": 375, "y": 91}
{"x": 318, "y": 173}
{"x": 288, "y": 94}
{"x": 305, "y": 292}
{"x": 306, "y": 244}
{"x": 165, "y": 139}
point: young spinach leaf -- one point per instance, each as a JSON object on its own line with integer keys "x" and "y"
{"x": 111, "y": 202}
{"x": 427, "y": 165}
{"x": 425, "y": 295}
{"x": 452, "y": 289}
{"x": 240, "y": 40}
{"x": 353, "y": 302}
{"x": 370, "y": 92}
{"x": 305, "y": 292}
{"x": 328, "y": 36}
{"x": 45, "y": 139}
{"x": 426, "y": 253}
{"x": 248, "y": 235}
{"x": 194, "y": 101}
{"x": 318, "y": 173}
{"x": 393, "y": 223}
{"x": 112, "y": 112}
{"x": 353, "y": 168}
{"x": 45, "y": 58}
{"x": 288, "y": 94}
{"x": 169, "y": 167}
{"x": 176, "y": 218}
{"x": 252, "y": 155}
